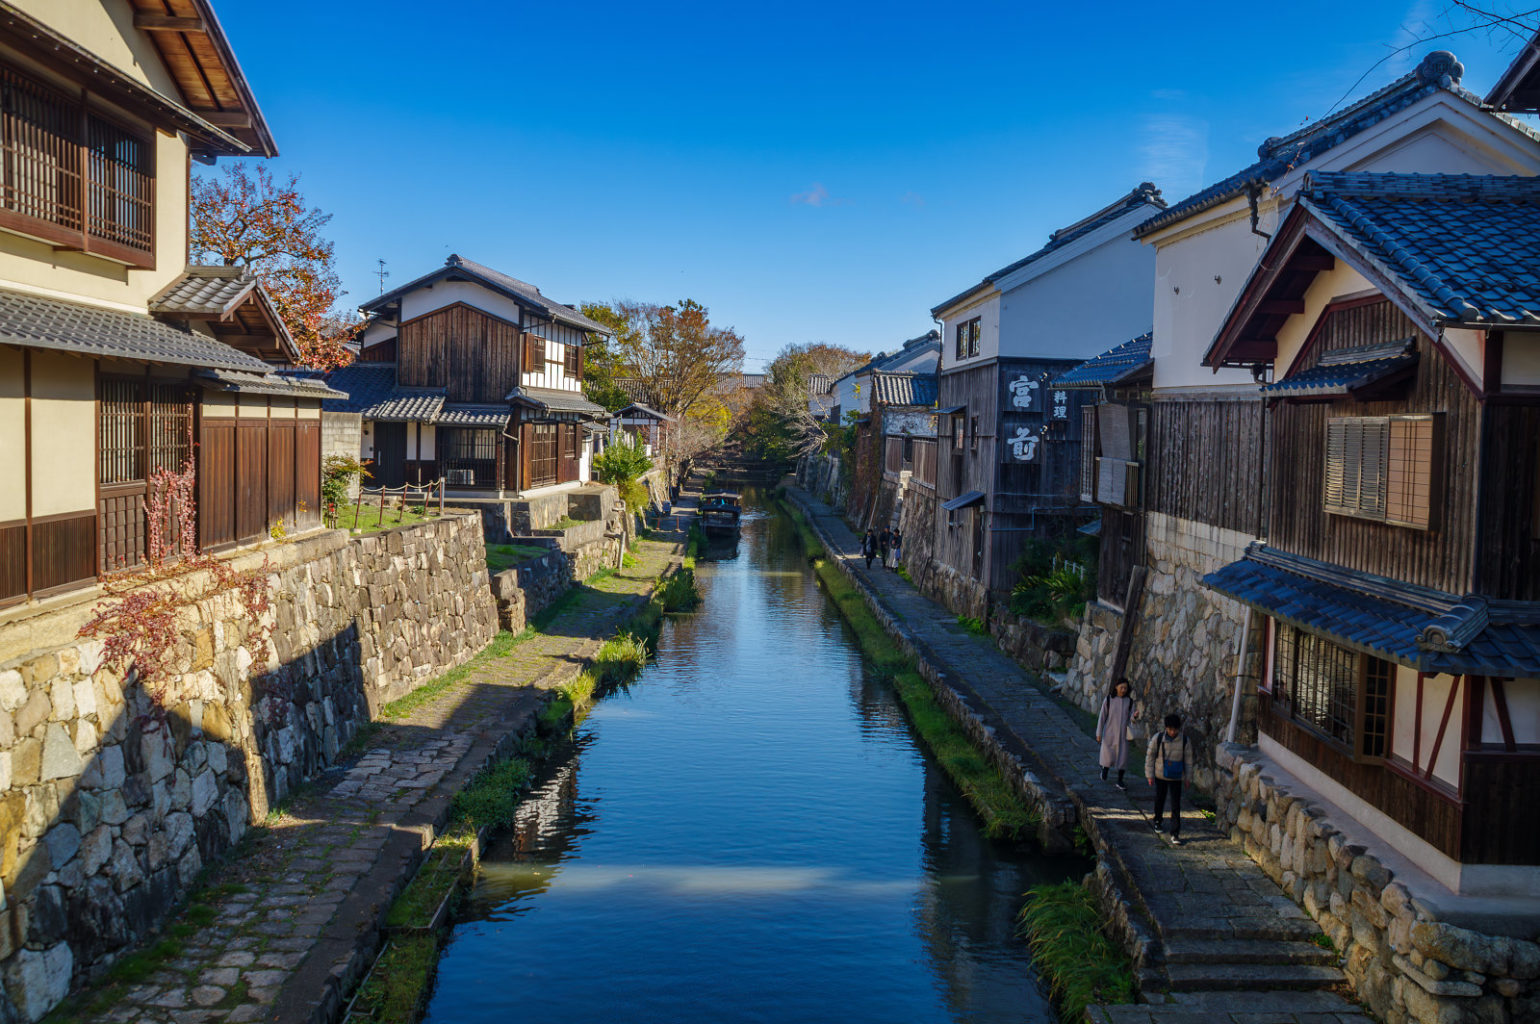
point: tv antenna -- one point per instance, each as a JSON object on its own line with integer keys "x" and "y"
{"x": 382, "y": 274}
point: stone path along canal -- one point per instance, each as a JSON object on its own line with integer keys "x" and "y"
{"x": 749, "y": 832}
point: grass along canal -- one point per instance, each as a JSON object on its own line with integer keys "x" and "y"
{"x": 749, "y": 831}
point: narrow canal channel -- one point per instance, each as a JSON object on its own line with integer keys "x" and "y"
{"x": 750, "y": 832}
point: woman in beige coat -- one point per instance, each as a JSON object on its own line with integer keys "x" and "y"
{"x": 1115, "y": 727}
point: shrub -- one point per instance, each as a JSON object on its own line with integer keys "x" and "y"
{"x": 679, "y": 592}
{"x": 1056, "y": 579}
{"x": 621, "y": 657}
{"x": 623, "y": 464}
{"x": 337, "y": 475}
{"x": 1072, "y": 950}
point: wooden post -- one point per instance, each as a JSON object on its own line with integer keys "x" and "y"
{"x": 1126, "y": 631}
{"x": 381, "y": 523}
{"x": 358, "y": 506}
{"x": 441, "y": 496}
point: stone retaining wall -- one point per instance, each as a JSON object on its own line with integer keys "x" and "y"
{"x": 111, "y": 805}
{"x": 1404, "y": 963}
{"x": 528, "y": 589}
{"x": 1034, "y": 646}
{"x": 1183, "y": 654}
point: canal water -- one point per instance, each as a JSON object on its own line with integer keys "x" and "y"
{"x": 749, "y": 832}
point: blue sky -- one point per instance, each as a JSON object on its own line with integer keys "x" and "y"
{"x": 811, "y": 172}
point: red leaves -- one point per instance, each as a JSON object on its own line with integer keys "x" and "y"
{"x": 246, "y": 218}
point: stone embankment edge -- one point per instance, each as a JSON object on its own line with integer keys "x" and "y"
{"x": 1004, "y": 749}
{"x": 1061, "y": 808}
{"x": 414, "y": 837}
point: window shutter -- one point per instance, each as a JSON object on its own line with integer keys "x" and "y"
{"x": 1352, "y": 464}
{"x": 1088, "y": 453}
{"x": 534, "y": 353}
{"x": 1412, "y": 459}
{"x": 1376, "y": 443}
{"x": 1111, "y": 481}
{"x": 1336, "y": 465}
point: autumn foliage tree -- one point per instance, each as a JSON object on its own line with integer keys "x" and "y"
{"x": 680, "y": 356}
{"x": 244, "y": 217}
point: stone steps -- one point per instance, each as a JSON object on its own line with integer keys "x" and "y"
{"x": 1283, "y": 929}
{"x": 1235, "y": 976}
{"x": 1253, "y": 1006}
{"x": 1183, "y": 950}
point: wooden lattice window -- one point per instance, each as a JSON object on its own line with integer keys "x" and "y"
{"x": 542, "y": 456}
{"x": 573, "y": 360}
{"x": 1383, "y": 468}
{"x": 120, "y": 445}
{"x": 73, "y": 172}
{"x": 468, "y": 456}
{"x": 1088, "y": 453}
{"x": 1341, "y": 694}
{"x": 171, "y": 420}
{"x": 572, "y": 432}
{"x": 534, "y": 353}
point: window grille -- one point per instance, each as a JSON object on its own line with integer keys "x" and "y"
{"x": 73, "y": 171}
{"x": 469, "y": 456}
{"x": 121, "y": 428}
{"x": 1341, "y": 694}
{"x": 1378, "y": 675}
{"x": 573, "y": 362}
{"x": 171, "y": 419}
{"x": 1382, "y": 468}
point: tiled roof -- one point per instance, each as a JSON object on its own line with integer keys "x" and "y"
{"x": 408, "y": 405}
{"x": 519, "y": 291}
{"x": 1345, "y": 372}
{"x": 1145, "y": 194}
{"x": 204, "y": 291}
{"x": 293, "y": 386}
{"x": 645, "y": 410}
{"x": 819, "y": 383}
{"x": 34, "y": 322}
{"x": 1111, "y": 367}
{"x": 1277, "y": 156}
{"x": 474, "y": 415}
{"x": 552, "y": 400}
{"x": 1463, "y": 245}
{"x": 364, "y": 383}
{"x": 1428, "y": 630}
{"x": 904, "y": 388}
{"x": 963, "y": 501}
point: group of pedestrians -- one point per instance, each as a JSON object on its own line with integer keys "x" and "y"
{"x": 1165, "y": 758}
{"x": 887, "y": 546}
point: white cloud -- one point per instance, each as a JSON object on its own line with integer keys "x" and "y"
{"x": 1173, "y": 151}
{"x": 816, "y": 196}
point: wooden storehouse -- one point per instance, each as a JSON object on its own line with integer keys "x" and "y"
{"x": 473, "y": 377}
{"x": 1395, "y": 320}
{"x": 1009, "y": 443}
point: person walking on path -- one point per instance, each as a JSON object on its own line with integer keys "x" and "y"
{"x": 884, "y": 542}
{"x": 898, "y": 549}
{"x": 1165, "y": 767}
{"x": 1115, "y": 729}
{"x": 869, "y": 547}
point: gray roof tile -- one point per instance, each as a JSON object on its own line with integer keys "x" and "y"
{"x": 904, "y": 388}
{"x": 1463, "y": 245}
{"x": 204, "y": 291}
{"x": 31, "y": 321}
{"x": 552, "y": 400}
{"x": 520, "y": 291}
{"x": 1111, "y": 367}
{"x": 466, "y": 415}
{"x": 268, "y": 384}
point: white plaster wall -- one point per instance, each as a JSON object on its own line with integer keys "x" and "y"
{"x": 1521, "y": 360}
{"x": 308, "y": 408}
{"x": 106, "y": 28}
{"x": 251, "y": 406}
{"x": 13, "y": 412}
{"x": 1339, "y": 283}
{"x": 426, "y": 440}
{"x": 376, "y": 333}
{"x": 854, "y": 393}
{"x": 1403, "y": 715}
{"x": 1083, "y": 305}
{"x": 63, "y": 433}
{"x": 1523, "y": 697}
{"x": 920, "y": 359}
{"x": 366, "y": 443}
{"x": 218, "y": 403}
{"x": 987, "y": 308}
{"x": 553, "y": 374}
{"x": 421, "y": 301}
{"x": 1468, "y": 349}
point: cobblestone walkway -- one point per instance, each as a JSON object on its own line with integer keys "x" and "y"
{"x": 1219, "y": 930}
{"x": 288, "y": 922}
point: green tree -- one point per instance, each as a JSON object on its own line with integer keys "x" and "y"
{"x": 602, "y": 361}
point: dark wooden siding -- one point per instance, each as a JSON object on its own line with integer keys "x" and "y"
{"x": 216, "y": 483}
{"x": 1205, "y": 461}
{"x": 1499, "y": 789}
{"x": 63, "y": 551}
{"x": 250, "y": 477}
{"x": 1440, "y": 557}
{"x": 13, "y": 560}
{"x": 1508, "y": 550}
{"x": 121, "y": 522}
{"x": 473, "y": 354}
{"x": 1122, "y": 547}
{"x": 280, "y": 472}
{"x": 307, "y": 473}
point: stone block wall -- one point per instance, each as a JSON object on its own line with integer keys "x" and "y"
{"x": 917, "y": 521}
{"x": 110, "y": 803}
{"x": 823, "y": 477}
{"x": 1185, "y": 640}
{"x": 526, "y": 590}
{"x": 1405, "y": 963}
{"x": 1034, "y": 646}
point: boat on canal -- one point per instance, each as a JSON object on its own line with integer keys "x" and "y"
{"x": 720, "y": 512}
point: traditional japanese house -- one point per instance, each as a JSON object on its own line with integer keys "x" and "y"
{"x": 1113, "y": 433}
{"x": 852, "y": 392}
{"x": 1009, "y": 459}
{"x": 1204, "y": 493}
{"x": 655, "y": 429}
{"x": 476, "y": 378}
{"x": 117, "y": 360}
{"x": 1395, "y": 322}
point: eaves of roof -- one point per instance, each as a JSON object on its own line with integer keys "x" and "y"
{"x": 521, "y": 292}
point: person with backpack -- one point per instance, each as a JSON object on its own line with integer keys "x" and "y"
{"x": 1115, "y": 728}
{"x": 1165, "y": 768}
{"x": 898, "y": 549}
{"x": 869, "y": 547}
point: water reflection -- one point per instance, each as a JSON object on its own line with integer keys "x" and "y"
{"x": 748, "y": 833}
